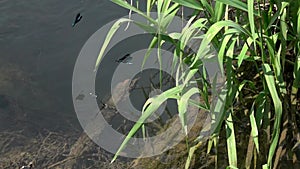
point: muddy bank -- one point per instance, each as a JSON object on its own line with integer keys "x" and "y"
{"x": 34, "y": 130}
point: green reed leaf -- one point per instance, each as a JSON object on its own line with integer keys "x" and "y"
{"x": 231, "y": 142}
{"x": 189, "y": 3}
{"x": 151, "y": 105}
{"x": 109, "y": 35}
{"x": 278, "y": 111}
{"x": 237, "y": 4}
{"x": 183, "y": 104}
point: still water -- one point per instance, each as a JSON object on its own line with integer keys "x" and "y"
{"x": 37, "y": 36}
{"x": 39, "y": 47}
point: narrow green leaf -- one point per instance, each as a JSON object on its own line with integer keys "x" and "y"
{"x": 153, "y": 43}
{"x": 169, "y": 16}
{"x": 189, "y": 3}
{"x": 191, "y": 153}
{"x": 218, "y": 112}
{"x": 237, "y": 4}
{"x": 183, "y": 104}
{"x": 189, "y": 76}
{"x": 244, "y": 82}
{"x": 151, "y": 105}
{"x": 231, "y": 143}
{"x": 211, "y": 33}
{"x": 159, "y": 8}
{"x": 208, "y": 7}
{"x": 230, "y": 50}
{"x": 166, "y": 5}
{"x": 260, "y": 110}
{"x": 244, "y": 50}
{"x": 296, "y": 73}
{"x": 251, "y": 19}
{"x": 283, "y": 25}
{"x": 278, "y": 111}
{"x": 150, "y": 4}
{"x": 298, "y": 22}
{"x": 265, "y": 166}
{"x": 219, "y": 9}
{"x": 197, "y": 104}
{"x": 254, "y": 128}
{"x": 229, "y": 33}
{"x": 109, "y": 35}
{"x": 128, "y": 6}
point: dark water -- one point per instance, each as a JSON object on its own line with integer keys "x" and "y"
{"x": 38, "y": 37}
{"x": 39, "y": 47}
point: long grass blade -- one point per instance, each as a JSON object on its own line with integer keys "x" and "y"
{"x": 228, "y": 34}
{"x": 132, "y": 8}
{"x": 219, "y": 11}
{"x": 212, "y": 32}
{"x": 251, "y": 20}
{"x": 109, "y": 35}
{"x": 183, "y": 104}
{"x": 237, "y": 4}
{"x": 278, "y": 111}
{"x": 151, "y": 105}
{"x": 254, "y": 128}
{"x": 208, "y": 7}
{"x": 218, "y": 112}
{"x": 231, "y": 143}
{"x": 189, "y": 3}
{"x": 190, "y": 155}
{"x": 244, "y": 50}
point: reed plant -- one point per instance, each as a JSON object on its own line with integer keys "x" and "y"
{"x": 258, "y": 50}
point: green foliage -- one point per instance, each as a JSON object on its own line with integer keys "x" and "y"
{"x": 261, "y": 35}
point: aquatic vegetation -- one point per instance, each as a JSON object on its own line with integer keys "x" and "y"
{"x": 258, "y": 50}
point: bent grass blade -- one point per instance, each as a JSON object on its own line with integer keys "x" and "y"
{"x": 110, "y": 34}
{"x": 151, "y": 105}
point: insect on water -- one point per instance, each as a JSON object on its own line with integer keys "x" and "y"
{"x": 77, "y": 19}
{"x": 125, "y": 59}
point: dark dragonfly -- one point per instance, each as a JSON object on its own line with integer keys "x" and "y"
{"x": 77, "y": 19}
{"x": 125, "y": 59}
